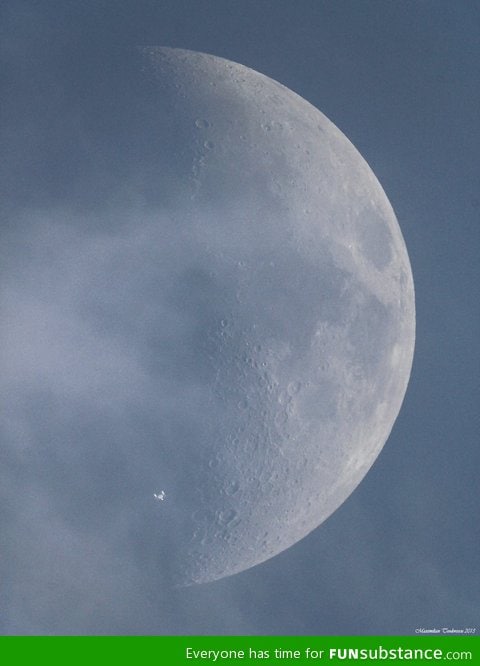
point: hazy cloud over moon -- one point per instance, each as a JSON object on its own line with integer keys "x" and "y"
{"x": 128, "y": 279}
{"x": 233, "y": 323}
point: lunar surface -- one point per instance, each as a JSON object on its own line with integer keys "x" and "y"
{"x": 297, "y": 300}
{"x": 251, "y": 276}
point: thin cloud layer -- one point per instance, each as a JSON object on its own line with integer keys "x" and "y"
{"x": 79, "y": 548}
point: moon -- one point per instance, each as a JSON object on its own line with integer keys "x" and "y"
{"x": 225, "y": 336}
{"x": 296, "y": 294}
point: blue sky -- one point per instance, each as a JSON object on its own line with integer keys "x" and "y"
{"x": 400, "y": 79}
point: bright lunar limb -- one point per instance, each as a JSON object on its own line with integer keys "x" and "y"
{"x": 295, "y": 293}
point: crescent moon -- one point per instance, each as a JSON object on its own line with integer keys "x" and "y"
{"x": 299, "y": 297}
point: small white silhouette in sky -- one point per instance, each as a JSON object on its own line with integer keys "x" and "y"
{"x": 159, "y": 496}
